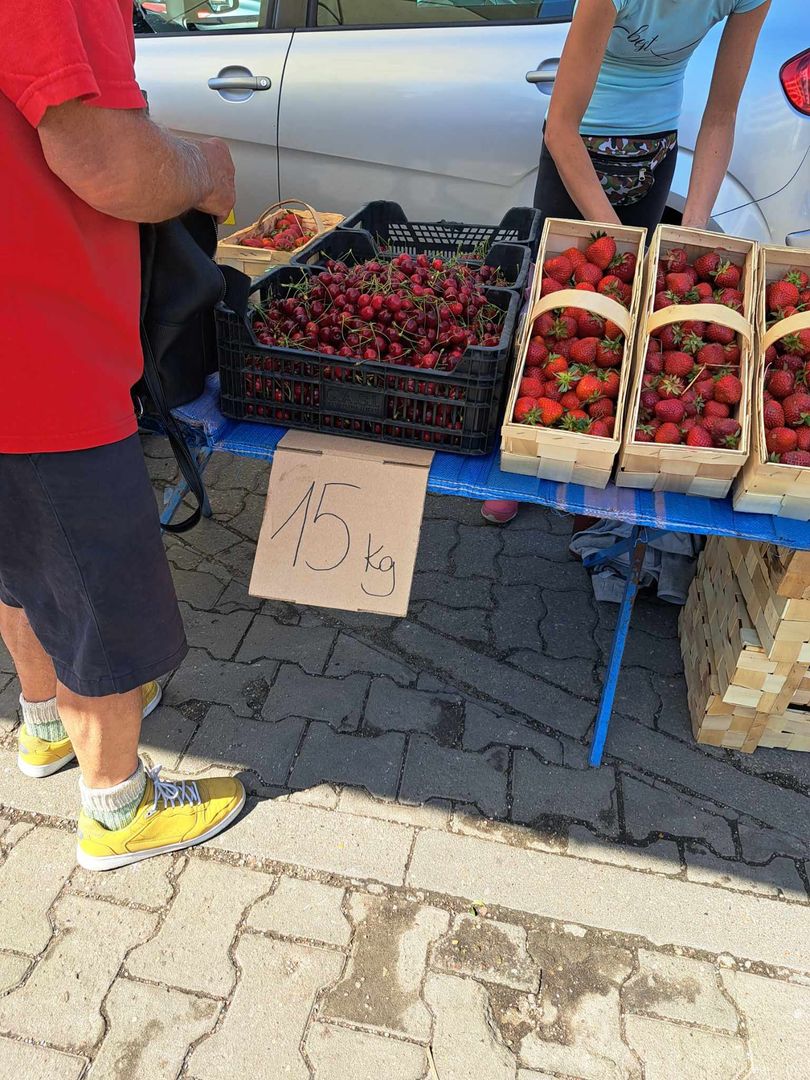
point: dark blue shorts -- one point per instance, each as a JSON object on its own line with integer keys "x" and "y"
{"x": 81, "y": 552}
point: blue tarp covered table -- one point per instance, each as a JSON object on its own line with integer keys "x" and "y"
{"x": 480, "y": 478}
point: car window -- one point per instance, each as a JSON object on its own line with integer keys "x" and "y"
{"x": 175, "y": 16}
{"x": 427, "y": 12}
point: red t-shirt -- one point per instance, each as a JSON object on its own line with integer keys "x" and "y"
{"x": 69, "y": 299}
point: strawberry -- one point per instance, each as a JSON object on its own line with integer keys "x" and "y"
{"x": 773, "y": 416}
{"x": 688, "y": 423}
{"x": 803, "y": 438}
{"x": 552, "y": 391}
{"x": 558, "y": 268}
{"x": 554, "y": 365}
{"x": 727, "y": 275}
{"x": 731, "y": 354}
{"x": 602, "y": 408}
{"x": 585, "y": 286}
{"x": 601, "y": 429}
{"x": 588, "y": 273}
{"x": 698, "y": 436}
{"x": 589, "y": 388}
{"x": 692, "y": 402}
{"x": 590, "y": 325}
{"x": 525, "y": 411}
{"x": 726, "y": 433}
{"x": 704, "y": 386}
{"x": 583, "y": 351}
{"x": 576, "y": 420}
{"x": 797, "y": 344}
{"x": 532, "y": 388}
{"x": 644, "y": 434}
{"x": 654, "y": 363}
{"x": 780, "y": 440}
{"x": 679, "y": 284}
{"x": 732, "y": 298}
{"x": 560, "y": 346}
{"x": 723, "y": 335}
{"x": 668, "y": 433}
{"x": 610, "y": 382}
{"x": 550, "y": 285}
{"x": 716, "y": 410}
{"x": 676, "y": 260}
{"x": 704, "y": 292}
{"x": 536, "y": 353}
{"x": 664, "y": 300}
{"x": 624, "y": 267}
{"x": 781, "y": 294}
{"x": 549, "y": 411}
{"x": 670, "y": 411}
{"x": 660, "y": 278}
{"x": 602, "y": 250}
{"x": 797, "y": 457}
{"x": 670, "y": 386}
{"x": 711, "y": 355}
{"x": 797, "y": 409}
{"x": 569, "y": 400}
{"x": 649, "y": 399}
{"x": 798, "y": 277}
{"x": 670, "y": 336}
{"x": 611, "y": 286}
{"x": 574, "y": 256}
{"x": 706, "y": 265}
{"x": 780, "y": 383}
{"x": 609, "y": 353}
{"x": 678, "y": 363}
{"x": 564, "y": 326}
{"x": 728, "y": 389}
{"x": 612, "y": 331}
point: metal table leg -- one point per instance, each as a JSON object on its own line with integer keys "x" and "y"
{"x": 637, "y": 544}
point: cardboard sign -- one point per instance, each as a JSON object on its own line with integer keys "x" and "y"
{"x": 341, "y": 524}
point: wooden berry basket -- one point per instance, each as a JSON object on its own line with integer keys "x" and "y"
{"x": 256, "y": 261}
{"x": 687, "y": 469}
{"x": 766, "y": 487}
{"x": 570, "y": 457}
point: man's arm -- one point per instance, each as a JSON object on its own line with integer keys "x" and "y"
{"x": 122, "y": 164}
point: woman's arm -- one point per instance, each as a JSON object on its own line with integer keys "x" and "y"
{"x": 716, "y": 138}
{"x": 579, "y": 66}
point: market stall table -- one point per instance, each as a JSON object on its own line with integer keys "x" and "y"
{"x": 650, "y": 513}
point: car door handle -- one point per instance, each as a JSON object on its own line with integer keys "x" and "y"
{"x": 239, "y": 82}
{"x": 542, "y": 75}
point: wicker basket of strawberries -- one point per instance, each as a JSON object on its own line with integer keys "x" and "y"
{"x": 572, "y": 375}
{"x": 776, "y": 477}
{"x": 689, "y": 421}
{"x": 281, "y": 231}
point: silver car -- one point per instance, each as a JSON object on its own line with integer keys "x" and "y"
{"x": 439, "y": 104}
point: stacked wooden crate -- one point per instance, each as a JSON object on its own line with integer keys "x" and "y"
{"x": 745, "y": 638}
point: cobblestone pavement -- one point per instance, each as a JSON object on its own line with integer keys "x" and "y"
{"x": 428, "y": 883}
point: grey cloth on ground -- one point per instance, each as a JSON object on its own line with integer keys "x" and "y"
{"x": 669, "y": 562}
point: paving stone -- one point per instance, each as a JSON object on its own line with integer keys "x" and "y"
{"x": 644, "y": 650}
{"x": 306, "y": 646}
{"x": 303, "y": 909}
{"x": 542, "y": 789}
{"x": 672, "y": 1051}
{"x": 563, "y": 674}
{"x": 9, "y": 705}
{"x": 197, "y": 589}
{"x": 679, "y": 988}
{"x": 336, "y": 701}
{"x": 272, "y": 1003}
{"x": 453, "y": 508}
{"x": 372, "y": 763}
{"x": 266, "y": 749}
{"x": 548, "y": 573}
{"x": 143, "y": 883}
{"x": 6, "y": 665}
{"x": 673, "y": 716}
{"x": 30, "y": 880}
{"x": 465, "y": 1046}
{"x": 515, "y": 615}
{"x": 210, "y": 538}
{"x": 150, "y": 1031}
{"x": 235, "y": 596}
{"x": 759, "y": 845}
{"x": 556, "y": 709}
{"x": 220, "y": 634}
{"x": 394, "y": 708}
{"x": 651, "y": 809}
{"x": 434, "y": 814}
{"x": 483, "y": 728}
{"x": 568, "y": 625}
{"x": 489, "y": 951}
{"x": 58, "y": 798}
{"x": 381, "y": 986}
{"x": 776, "y": 1016}
{"x": 635, "y": 696}
{"x": 468, "y": 821}
{"x": 249, "y": 520}
{"x": 190, "y": 951}
{"x": 242, "y": 687}
{"x": 229, "y": 471}
{"x": 660, "y": 857}
{"x": 288, "y": 832}
{"x": 337, "y": 1053}
{"x": 665, "y": 911}
{"x": 436, "y": 540}
{"x": 437, "y": 772}
{"x": 450, "y": 591}
{"x": 579, "y": 1031}
{"x": 12, "y": 968}
{"x": 164, "y": 736}
{"x": 351, "y": 656}
{"x": 15, "y": 832}
{"x": 27, "y": 1060}
{"x": 477, "y": 550}
{"x": 779, "y": 878}
{"x": 537, "y": 541}
{"x": 61, "y": 1001}
{"x": 468, "y": 624}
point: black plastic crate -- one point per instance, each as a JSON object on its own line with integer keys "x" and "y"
{"x": 357, "y": 246}
{"x": 456, "y": 411}
{"x": 390, "y": 228}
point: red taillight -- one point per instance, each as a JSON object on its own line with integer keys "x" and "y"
{"x": 795, "y": 78}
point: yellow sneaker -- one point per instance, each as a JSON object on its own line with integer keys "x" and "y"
{"x": 172, "y": 815}
{"x": 37, "y": 757}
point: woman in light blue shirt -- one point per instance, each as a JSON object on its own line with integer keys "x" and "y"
{"x": 611, "y": 136}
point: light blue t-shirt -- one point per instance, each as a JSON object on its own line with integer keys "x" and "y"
{"x": 640, "y": 85}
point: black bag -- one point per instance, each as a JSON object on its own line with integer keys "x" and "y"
{"x": 180, "y": 287}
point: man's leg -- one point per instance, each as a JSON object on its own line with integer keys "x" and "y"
{"x": 104, "y": 732}
{"x": 35, "y": 668}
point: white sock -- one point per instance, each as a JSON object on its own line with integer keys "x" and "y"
{"x": 41, "y": 719}
{"x": 115, "y": 807}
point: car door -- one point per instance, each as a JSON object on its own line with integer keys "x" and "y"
{"x": 438, "y": 105}
{"x": 215, "y": 69}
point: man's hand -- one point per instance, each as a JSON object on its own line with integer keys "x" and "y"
{"x": 222, "y": 196}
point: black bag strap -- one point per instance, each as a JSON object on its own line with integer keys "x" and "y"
{"x": 189, "y": 468}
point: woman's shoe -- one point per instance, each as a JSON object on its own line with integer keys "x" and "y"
{"x": 499, "y": 511}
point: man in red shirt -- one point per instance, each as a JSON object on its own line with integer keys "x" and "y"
{"x": 87, "y": 606}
